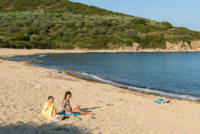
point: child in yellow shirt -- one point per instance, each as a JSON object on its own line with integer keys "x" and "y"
{"x": 49, "y": 108}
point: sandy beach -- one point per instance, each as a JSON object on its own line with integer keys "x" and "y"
{"x": 24, "y": 90}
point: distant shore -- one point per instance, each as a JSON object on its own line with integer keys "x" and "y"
{"x": 25, "y": 88}
{"x": 5, "y": 52}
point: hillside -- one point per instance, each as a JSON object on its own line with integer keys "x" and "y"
{"x": 62, "y": 24}
{"x": 53, "y": 6}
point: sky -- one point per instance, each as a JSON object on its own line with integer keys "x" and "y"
{"x": 180, "y": 13}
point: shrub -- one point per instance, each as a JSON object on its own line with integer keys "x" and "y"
{"x": 187, "y": 38}
{"x": 26, "y": 30}
{"x": 182, "y": 32}
{"x": 129, "y": 42}
{"x": 4, "y": 24}
{"x": 12, "y": 29}
{"x": 21, "y": 37}
{"x": 27, "y": 23}
{"x": 90, "y": 24}
{"x": 118, "y": 28}
{"x": 80, "y": 35}
{"x": 68, "y": 46}
{"x": 81, "y": 46}
{"x": 98, "y": 30}
{"x": 43, "y": 26}
{"x": 19, "y": 44}
{"x": 92, "y": 33}
{"x": 109, "y": 31}
{"x": 129, "y": 33}
{"x": 78, "y": 25}
{"x": 84, "y": 30}
{"x": 140, "y": 21}
{"x": 7, "y": 39}
{"x": 104, "y": 23}
{"x": 43, "y": 32}
{"x": 35, "y": 25}
{"x": 59, "y": 32}
{"x": 102, "y": 31}
{"x": 72, "y": 34}
{"x": 167, "y": 24}
{"x": 19, "y": 23}
{"x": 35, "y": 38}
{"x": 4, "y": 45}
{"x": 48, "y": 39}
{"x": 142, "y": 36}
{"x": 66, "y": 33}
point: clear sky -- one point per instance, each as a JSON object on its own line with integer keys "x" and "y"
{"x": 180, "y": 13}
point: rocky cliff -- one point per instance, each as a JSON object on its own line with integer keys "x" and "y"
{"x": 170, "y": 47}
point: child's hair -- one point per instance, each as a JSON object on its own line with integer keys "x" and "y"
{"x": 68, "y": 92}
{"x": 50, "y": 97}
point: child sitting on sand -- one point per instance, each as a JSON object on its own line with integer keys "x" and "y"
{"x": 49, "y": 108}
{"x": 69, "y": 109}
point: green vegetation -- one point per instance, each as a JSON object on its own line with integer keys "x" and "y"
{"x": 62, "y": 24}
{"x": 53, "y": 6}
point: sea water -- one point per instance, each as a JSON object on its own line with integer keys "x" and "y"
{"x": 170, "y": 74}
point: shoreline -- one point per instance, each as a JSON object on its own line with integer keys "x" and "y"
{"x": 43, "y": 51}
{"x": 24, "y": 88}
{"x": 92, "y": 80}
{"x": 135, "y": 90}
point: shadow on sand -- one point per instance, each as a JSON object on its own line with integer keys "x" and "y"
{"x": 50, "y": 128}
{"x": 89, "y": 109}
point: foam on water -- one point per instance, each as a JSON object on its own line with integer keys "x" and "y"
{"x": 43, "y": 55}
{"x": 38, "y": 61}
{"x": 146, "y": 90}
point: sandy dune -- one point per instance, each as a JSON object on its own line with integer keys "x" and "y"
{"x": 24, "y": 90}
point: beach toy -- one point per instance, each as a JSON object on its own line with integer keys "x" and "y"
{"x": 79, "y": 118}
{"x": 57, "y": 119}
{"x": 159, "y": 101}
{"x": 63, "y": 113}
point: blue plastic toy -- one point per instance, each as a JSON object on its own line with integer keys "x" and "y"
{"x": 159, "y": 101}
{"x": 63, "y": 113}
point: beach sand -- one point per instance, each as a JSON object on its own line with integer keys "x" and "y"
{"x": 24, "y": 90}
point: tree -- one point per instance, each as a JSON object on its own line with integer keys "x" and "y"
{"x": 35, "y": 38}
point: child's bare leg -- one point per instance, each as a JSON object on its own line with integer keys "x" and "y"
{"x": 76, "y": 108}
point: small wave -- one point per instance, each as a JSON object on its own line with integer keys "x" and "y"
{"x": 38, "y": 61}
{"x": 42, "y": 55}
{"x": 97, "y": 78}
{"x": 146, "y": 90}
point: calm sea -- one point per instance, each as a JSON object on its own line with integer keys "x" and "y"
{"x": 170, "y": 74}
